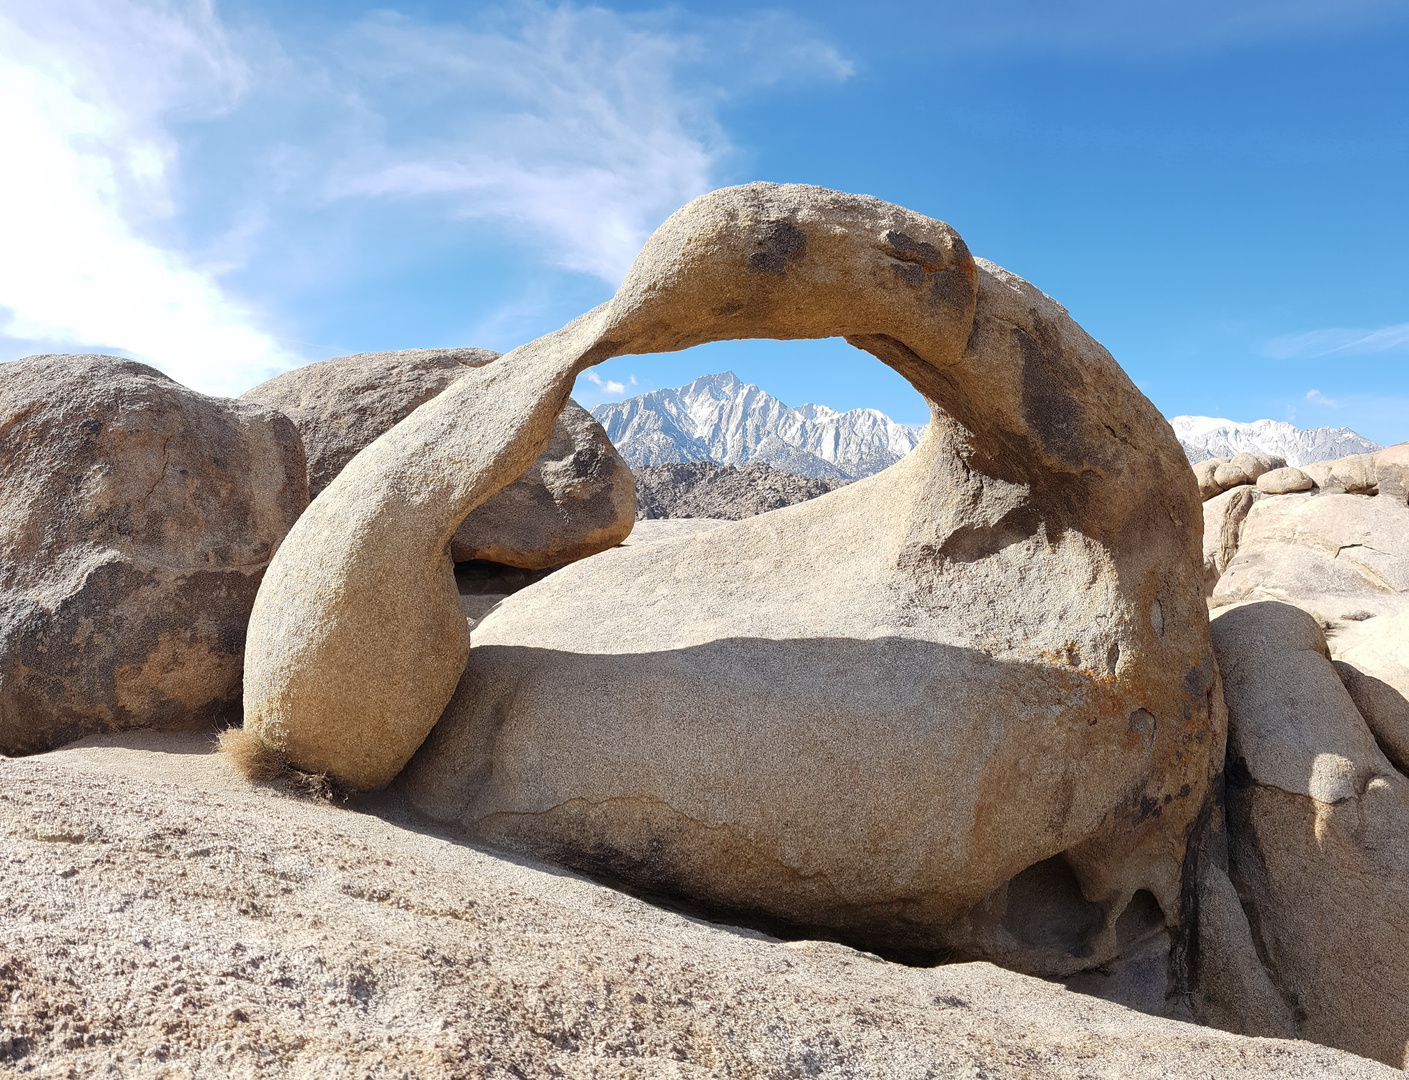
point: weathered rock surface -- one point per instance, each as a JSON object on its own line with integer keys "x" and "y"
{"x": 1283, "y": 481}
{"x": 1234, "y": 991}
{"x": 1245, "y": 468}
{"x": 136, "y": 520}
{"x": 987, "y": 668}
{"x": 1317, "y": 816}
{"x": 655, "y": 530}
{"x": 576, "y": 499}
{"x": 341, "y": 405}
{"x": 160, "y": 917}
{"x": 1382, "y": 704}
{"x": 1379, "y": 648}
{"x": 1392, "y": 472}
{"x": 1217, "y": 475}
{"x": 1344, "y": 558}
{"x": 1223, "y": 521}
{"x": 1383, "y": 471}
{"x": 1354, "y": 475}
{"x": 1204, "y": 475}
{"x": 689, "y": 489}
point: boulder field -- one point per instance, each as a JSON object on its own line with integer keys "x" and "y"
{"x": 1309, "y": 589}
{"x": 840, "y": 778}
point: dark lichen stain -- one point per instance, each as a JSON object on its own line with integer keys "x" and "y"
{"x": 1048, "y": 405}
{"x": 910, "y": 273}
{"x": 780, "y": 244}
{"x": 906, "y": 247}
{"x": 950, "y": 288}
{"x": 948, "y": 274}
{"x": 1147, "y": 809}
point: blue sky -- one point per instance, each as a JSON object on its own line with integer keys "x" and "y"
{"x": 1216, "y": 191}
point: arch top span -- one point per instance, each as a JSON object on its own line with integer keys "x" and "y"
{"x": 795, "y": 261}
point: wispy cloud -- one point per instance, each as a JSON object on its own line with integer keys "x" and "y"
{"x": 585, "y": 126}
{"x": 1315, "y": 343}
{"x": 88, "y": 91}
{"x": 576, "y": 129}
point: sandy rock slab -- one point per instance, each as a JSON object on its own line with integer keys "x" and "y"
{"x": 1344, "y": 558}
{"x": 161, "y": 918}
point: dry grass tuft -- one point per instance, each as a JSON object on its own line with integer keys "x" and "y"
{"x": 260, "y": 760}
{"x": 319, "y": 787}
{"x": 252, "y": 756}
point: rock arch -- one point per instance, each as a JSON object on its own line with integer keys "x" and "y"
{"x": 1015, "y": 606}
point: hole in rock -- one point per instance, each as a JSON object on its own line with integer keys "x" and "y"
{"x": 788, "y": 375}
{"x": 1046, "y": 909}
{"x": 482, "y": 585}
{"x": 1138, "y": 976}
{"x": 1142, "y": 917}
{"x": 481, "y": 578}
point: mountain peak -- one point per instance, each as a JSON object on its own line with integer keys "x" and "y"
{"x": 721, "y": 418}
{"x": 723, "y": 381}
{"x": 1205, "y": 437}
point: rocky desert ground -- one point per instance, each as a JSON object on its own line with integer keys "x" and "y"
{"x": 1039, "y": 753}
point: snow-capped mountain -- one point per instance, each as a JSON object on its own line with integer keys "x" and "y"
{"x": 722, "y": 419}
{"x": 1206, "y": 437}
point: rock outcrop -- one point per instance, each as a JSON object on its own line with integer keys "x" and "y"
{"x": 1385, "y": 469}
{"x": 144, "y": 934}
{"x": 341, "y": 405}
{"x": 1217, "y": 475}
{"x": 986, "y": 667}
{"x": 576, "y": 499}
{"x": 1345, "y": 558}
{"x": 694, "y": 489}
{"x": 1224, "y": 515}
{"x": 1317, "y": 816}
{"x": 136, "y": 520}
{"x": 1284, "y": 482}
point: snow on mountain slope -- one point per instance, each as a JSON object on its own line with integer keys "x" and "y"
{"x": 719, "y": 418}
{"x": 722, "y": 419}
{"x": 1206, "y": 437}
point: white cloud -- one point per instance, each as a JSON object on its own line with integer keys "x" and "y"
{"x": 1318, "y": 398}
{"x": 1327, "y": 342}
{"x": 609, "y": 387}
{"x": 578, "y": 128}
{"x": 87, "y": 91}
{"x": 584, "y": 126}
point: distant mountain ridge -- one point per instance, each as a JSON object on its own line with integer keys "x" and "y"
{"x": 724, "y": 420}
{"x": 1205, "y": 437}
{"x": 720, "y": 418}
